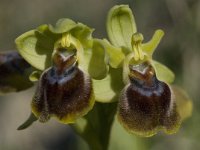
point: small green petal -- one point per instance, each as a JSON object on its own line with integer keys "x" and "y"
{"x": 98, "y": 65}
{"x": 150, "y": 46}
{"x": 35, "y": 75}
{"x": 36, "y": 46}
{"x": 121, "y": 26}
{"x": 163, "y": 73}
{"x": 63, "y": 25}
{"x": 130, "y": 60}
{"x": 28, "y": 122}
{"x": 108, "y": 89}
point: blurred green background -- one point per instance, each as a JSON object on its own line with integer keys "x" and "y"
{"x": 179, "y": 50}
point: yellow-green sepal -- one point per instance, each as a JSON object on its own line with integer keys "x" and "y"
{"x": 98, "y": 65}
{"x": 36, "y": 47}
{"x": 84, "y": 34}
{"x": 63, "y": 25}
{"x": 78, "y": 30}
{"x": 121, "y": 26}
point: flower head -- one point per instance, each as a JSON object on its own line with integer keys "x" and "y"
{"x": 75, "y": 70}
{"x": 64, "y": 67}
{"x": 147, "y": 103}
{"x": 63, "y": 91}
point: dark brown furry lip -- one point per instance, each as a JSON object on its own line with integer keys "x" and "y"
{"x": 146, "y": 104}
{"x": 64, "y": 91}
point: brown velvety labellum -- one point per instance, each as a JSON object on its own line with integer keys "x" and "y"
{"x": 64, "y": 91}
{"x": 146, "y": 104}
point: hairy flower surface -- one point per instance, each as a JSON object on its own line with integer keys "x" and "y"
{"x": 63, "y": 91}
{"x": 74, "y": 70}
{"x": 147, "y": 104}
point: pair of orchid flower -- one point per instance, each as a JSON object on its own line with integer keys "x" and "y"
{"x": 74, "y": 70}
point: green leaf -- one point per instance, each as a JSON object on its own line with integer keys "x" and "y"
{"x": 98, "y": 65}
{"x": 63, "y": 25}
{"x": 121, "y": 26}
{"x": 28, "y": 122}
{"x": 163, "y": 73}
{"x": 150, "y": 46}
{"x": 126, "y": 141}
{"x": 36, "y": 46}
{"x": 108, "y": 89}
{"x": 95, "y": 128}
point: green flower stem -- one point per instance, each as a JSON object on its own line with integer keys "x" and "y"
{"x": 95, "y": 127}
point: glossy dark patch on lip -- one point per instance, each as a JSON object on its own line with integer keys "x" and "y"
{"x": 146, "y": 105}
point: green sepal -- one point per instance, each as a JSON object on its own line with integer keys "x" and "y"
{"x": 84, "y": 34}
{"x": 121, "y": 26}
{"x": 116, "y": 54}
{"x": 163, "y": 73}
{"x": 62, "y": 25}
{"x": 36, "y": 47}
{"x": 98, "y": 65}
{"x": 108, "y": 89}
{"x": 28, "y": 122}
{"x": 78, "y": 30}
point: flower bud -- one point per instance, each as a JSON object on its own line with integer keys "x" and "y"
{"x": 146, "y": 104}
{"x": 64, "y": 91}
{"x": 14, "y": 73}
